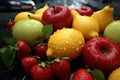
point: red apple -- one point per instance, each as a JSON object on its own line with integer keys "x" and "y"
{"x": 85, "y": 10}
{"x": 58, "y": 16}
{"x": 101, "y": 53}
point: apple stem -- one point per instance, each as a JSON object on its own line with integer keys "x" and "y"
{"x": 55, "y": 11}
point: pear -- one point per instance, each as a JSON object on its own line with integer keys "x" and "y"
{"x": 35, "y": 16}
{"x": 38, "y": 13}
{"x": 85, "y": 24}
{"x": 22, "y": 15}
{"x": 41, "y": 10}
{"x": 104, "y": 16}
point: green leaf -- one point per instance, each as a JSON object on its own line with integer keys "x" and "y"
{"x": 47, "y": 30}
{"x": 8, "y": 39}
{"x": 98, "y": 74}
{"x": 43, "y": 64}
{"x": 7, "y": 56}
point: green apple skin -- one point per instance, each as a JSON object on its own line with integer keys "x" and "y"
{"x": 112, "y": 31}
{"x": 29, "y": 30}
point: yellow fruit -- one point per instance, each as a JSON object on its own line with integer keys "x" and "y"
{"x": 41, "y": 10}
{"x": 38, "y": 13}
{"x": 85, "y": 24}
{"x": 22, "y": 15}
{"x": 36, "y": 17}
{"x": 104, "y": 17}
{"x": 66, "y": 42}
{"x": 115, "y": 75}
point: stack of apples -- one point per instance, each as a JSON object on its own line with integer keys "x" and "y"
{"x": 99, "y": 30}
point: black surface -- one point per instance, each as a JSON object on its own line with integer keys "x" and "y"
{"x": 16, "y": 72}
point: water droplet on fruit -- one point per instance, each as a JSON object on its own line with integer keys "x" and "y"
{"x": 82, "y": 45}
{"x": 56, "y": 47}
{"x": 64, "y": 48}
{"x": 67, "y": 42}
{"x": 77, "y": 49}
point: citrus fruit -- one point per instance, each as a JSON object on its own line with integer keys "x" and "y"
{"x": 85, "y": 24}
{"x": 104, "y": 16}
{"x": 115, "y": 75}
{"x": 66, "y": 42}
{"x": 41, "y": 10}
{"x": 22, "y": 15}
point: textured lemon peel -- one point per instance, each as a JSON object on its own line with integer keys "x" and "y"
{"x": 65, "y": 42}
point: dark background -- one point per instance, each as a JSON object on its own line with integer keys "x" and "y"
{"x": 16, "y": 72}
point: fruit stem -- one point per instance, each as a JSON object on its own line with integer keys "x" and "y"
{"x": 110, "y": 5}
{"x": 28, "y": 15}
{"x": 55, "y": 11}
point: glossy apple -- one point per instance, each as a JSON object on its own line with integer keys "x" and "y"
{"x": 29, "y": 30}
{"x": 58, "y": 16}
{"x": 85, "y": 10}
{"x": 101, "y": 53}
{"x": 112, "y": 31}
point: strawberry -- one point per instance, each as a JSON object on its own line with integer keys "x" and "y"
{"x": 10, "y": 25}
{"x": 28, "y": 62}
{"x": 61, "y": 69}
{"x": 23, "y": 49}
{"x": 40, "y": 72}
{"x": 82, "y": 74}
{"x": 41, "y": 51}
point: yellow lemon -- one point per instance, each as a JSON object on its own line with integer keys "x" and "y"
{"x": 41, "y": 10}
{"x": 104, "y": 16}
{"x": 85, "y": 24}
{"x": 22, "y": 15}
{"x": 115, "y": 75}
{"x": 66, "y": 42}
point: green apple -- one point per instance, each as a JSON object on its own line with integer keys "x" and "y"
{"x": 112, "y": 31}
{"x": 29, "y": 30}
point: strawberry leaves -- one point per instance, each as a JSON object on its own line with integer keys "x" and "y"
{"x": 98, "y": 74}
{"x": 7, "y": 55}
{"x": 8, "y": 39}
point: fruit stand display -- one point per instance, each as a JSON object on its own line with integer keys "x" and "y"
{"x": 62, "y": 43}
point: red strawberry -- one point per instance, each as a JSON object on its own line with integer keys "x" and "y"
{"x": 24, "y": 49}
{"x": 41, "y": 73}
{"x": 41, "y": 51}
{"x": 82, "y": 74}
{"x": 28, "y": 62}
{"x": 62, "y": 69}
{"x": 10, "y": 25}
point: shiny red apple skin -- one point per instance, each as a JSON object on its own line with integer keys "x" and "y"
{"x": 101, "y": 53}
{"x": 58, "y": 16}
{"x": 85, "y": 10}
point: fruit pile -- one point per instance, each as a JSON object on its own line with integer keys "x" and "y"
{"x": 47, "y": 42}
